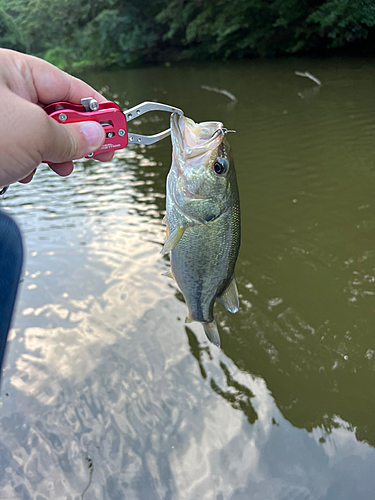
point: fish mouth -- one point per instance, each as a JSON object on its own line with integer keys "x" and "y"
{"x": 192, "y": 139}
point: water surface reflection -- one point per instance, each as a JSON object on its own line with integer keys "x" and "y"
{"x": 107, "y": 394}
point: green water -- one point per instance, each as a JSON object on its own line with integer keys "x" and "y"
{"x": 100, "y": 364}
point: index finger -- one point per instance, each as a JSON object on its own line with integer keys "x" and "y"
{"x": 52, "y": 84}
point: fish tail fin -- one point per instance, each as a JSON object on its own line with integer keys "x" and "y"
{"x": 212, "y": 332}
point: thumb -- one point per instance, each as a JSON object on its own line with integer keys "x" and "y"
{"x": 72, "y": 141}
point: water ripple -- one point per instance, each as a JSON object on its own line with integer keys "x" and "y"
{"x": 106, "y": 394}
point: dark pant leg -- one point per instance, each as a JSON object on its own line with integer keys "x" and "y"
{"x": 11, "y": 257}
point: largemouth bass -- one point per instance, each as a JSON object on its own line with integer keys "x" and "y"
{"x": 203, "y": 219}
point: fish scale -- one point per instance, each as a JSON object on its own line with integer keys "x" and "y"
{"x": 200, "y": 266}
{"x": 203, "y": 219}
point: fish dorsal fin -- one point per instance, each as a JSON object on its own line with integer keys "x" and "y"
{"x": 212, "y": 332}
{"x": 229, "y": 298}
{"x": 173, "y": 238}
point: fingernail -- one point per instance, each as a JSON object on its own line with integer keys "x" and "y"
{"x": 94, "y": 134}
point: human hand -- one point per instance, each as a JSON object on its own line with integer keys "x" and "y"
{"x": 28, "y": 135}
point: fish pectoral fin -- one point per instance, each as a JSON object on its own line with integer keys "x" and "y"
{"x": 188, "y": 319}
{"x": 168, "y": 274}
{"x": 165, "y": 220}
{"x": 229, "y": 298}
{"x": 173, "y": 239}
{"x": 212, "y": 332}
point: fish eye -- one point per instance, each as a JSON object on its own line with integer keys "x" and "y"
{"x": 221, "y": 166}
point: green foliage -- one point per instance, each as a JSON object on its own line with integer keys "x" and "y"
{"x": 123, "y": 35}
{"x": 59, "y": 56}
{"x": 344, "y": 21}
{"x": 9, "y": 34}
{"x": 241, "y": 28}
{"x": 98, "y": 33}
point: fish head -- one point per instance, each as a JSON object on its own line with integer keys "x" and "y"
{"x": 203, "y": 166}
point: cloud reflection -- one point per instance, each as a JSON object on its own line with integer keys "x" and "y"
{"x": 102, "y": 370}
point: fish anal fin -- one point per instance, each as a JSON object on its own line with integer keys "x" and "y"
{"x": 229, "y": 298}
{"x": 173, "y": 239}
{"x": 212, "y": 332}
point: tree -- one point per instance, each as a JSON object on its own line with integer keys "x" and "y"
{"x": 99, "y": 33}
{"x": 9, "y": 34}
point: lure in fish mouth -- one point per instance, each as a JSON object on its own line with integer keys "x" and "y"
{"x": 203, "y": 219}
